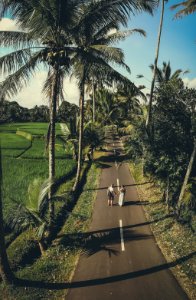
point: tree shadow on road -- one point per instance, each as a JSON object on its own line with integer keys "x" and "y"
{"x": 104, "y": 280}
{"x": 137, "y": 202}
{"x": 108, "y": 240}
{"x": 105, "y": 235}
{"x": 115, "y": 186}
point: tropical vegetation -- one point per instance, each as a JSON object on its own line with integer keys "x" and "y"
{"x": 50, "y": 152}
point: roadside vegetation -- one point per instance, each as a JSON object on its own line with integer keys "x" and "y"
{"x": 56, "y": 266}
{"x": 167, "y": 230}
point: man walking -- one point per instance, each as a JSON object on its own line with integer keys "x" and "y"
{"x": 111, "y": 193}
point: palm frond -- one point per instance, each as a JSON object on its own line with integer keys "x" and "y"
{"x": 43, "y": 195}
{"x": 17, "y": 39}
{"x": 65, "y": 130}
{"x": 13, "y": 61}
{"x": 104, "y": 11}
{"x": 41, "y": 230}
{"x": 33, "y": 193}
{"x": 189, "y": 8}
{"x": 14, "y": 82}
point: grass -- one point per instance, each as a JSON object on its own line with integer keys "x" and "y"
{"x": 31, "y": 127}
{"x": 21, "y": 167}
{"x": 13, "y": 145}
{"x": 38, "y": 149}
{"x": 59, "y": 262}
{"x": 19, "y": 173}
{"x": 175, "y": 240}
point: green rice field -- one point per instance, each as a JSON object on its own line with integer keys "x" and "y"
{"x": 23, "y": 162}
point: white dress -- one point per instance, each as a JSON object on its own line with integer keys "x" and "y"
{"x": 121, "y": 198}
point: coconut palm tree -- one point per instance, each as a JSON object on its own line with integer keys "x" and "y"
{"x": 149, "y": 113}
{"x": 48, "y": 31}
{"x": 5, "y": 270}
{"x": 42, "y": 40}
{"x": 189, "y": 8}
{"x": 95, "y": 54}
{"x": 128, "y": 97}
{"x": 165, "y": 74}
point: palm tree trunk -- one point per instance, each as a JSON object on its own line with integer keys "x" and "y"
{"x": 186, "y": 179}
{"x": 80, "y": 143}
{"x": 51, "y": 146}
{"x": 93, "y": 87}
{"x": 167, "y": 192}
{"x": 5, "y": 270}
{"x": 149, "y": 113}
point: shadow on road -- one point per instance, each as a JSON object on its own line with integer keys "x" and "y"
{"x": 92, "y": 242}
{"x": 104, "y": 280}
{"x": 106, "y": 187}
{"x": 115, "y": 186}
{"x": 106, "y": 233}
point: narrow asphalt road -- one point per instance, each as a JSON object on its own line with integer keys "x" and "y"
{"x": 123, "y": 260}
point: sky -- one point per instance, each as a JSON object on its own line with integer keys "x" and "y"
{"x": 178, "y": 45}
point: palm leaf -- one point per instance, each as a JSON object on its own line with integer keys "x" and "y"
{"x": 118, "y": 36}
{"x": 43, "y": 195}
{"x": 16, "y": 39}
{"x": 189, "y": 8}
{"x": 41, "y": 230}
{"x": 13, "y": 61}
{"x": 65, "y": 130}
{"x": 14, "y": 82}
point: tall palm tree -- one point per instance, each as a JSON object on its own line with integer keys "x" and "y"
{"x": 165, "y": 74}
{"x": 128, "y": 99}
{"x": 5, "y": 270}
{"x": 149, "y": 113}
{"x": 189, "y": 8}
{"x": 47, "y": 36}
{"x": 94, "y": 55}
{"x": 93, "y": 39}
{"x": 42, "y": 40}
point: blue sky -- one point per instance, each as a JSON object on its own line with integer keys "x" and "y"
{"x": 178, "y": 45}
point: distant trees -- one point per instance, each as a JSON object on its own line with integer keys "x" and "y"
{"x": 116, "y": 107}
{"x": 165, "y": 74}
{"x": 11, "y": 111}
{"x": 39, "y": 114}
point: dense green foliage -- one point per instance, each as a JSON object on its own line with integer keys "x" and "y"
{"x": 11, "y": 111}
{"x": 167, "y": 152}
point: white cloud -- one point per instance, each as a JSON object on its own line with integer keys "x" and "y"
{"x": 8, "y": 25}
{"x": 191, "y": 83}
{"x": 32, "y": 94}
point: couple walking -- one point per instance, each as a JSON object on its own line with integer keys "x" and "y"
{"x": 111, "y": 193}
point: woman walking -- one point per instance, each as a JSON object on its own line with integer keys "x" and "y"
{"x": 122, "y": 193}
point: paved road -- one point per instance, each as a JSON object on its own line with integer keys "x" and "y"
{"x": 123, "y": 260}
